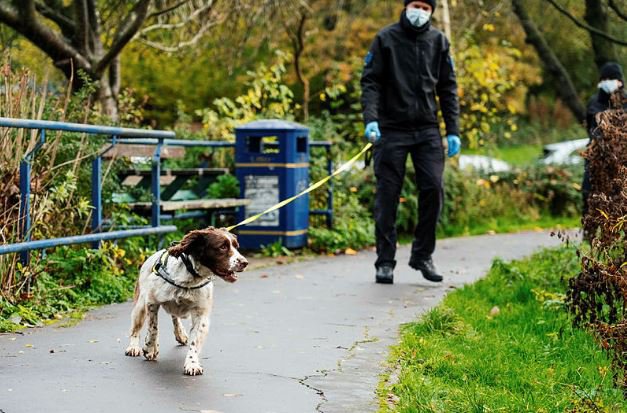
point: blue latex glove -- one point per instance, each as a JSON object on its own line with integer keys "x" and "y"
{"x": 454, "y": 145}
{"x": 373, "y": 134}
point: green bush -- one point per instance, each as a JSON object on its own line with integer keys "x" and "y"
{"x": 74, "y": 278}
{"x": 226, "y": 186}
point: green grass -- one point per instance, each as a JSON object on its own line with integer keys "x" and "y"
{"x": 499, "y": 225}
{"x": 465, "y": 356}
{"x": 518, "y": 155}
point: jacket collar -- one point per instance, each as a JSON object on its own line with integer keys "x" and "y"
{"x": 410, "y": 29}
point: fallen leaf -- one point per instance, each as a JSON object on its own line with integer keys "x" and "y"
{"x": 29, "y": 345}
{"x": 495, "y": 311}
{"x": 232, "y": 394}
{"x": 299, "y": 276}
{"x": 350, "y": 251}
{"x": 263, "y": 276}
{"x": 93, "y": 341}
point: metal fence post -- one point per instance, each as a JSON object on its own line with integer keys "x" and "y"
{"x": 156, "y": 187}
{"x": 330, "y": 192}
{"x": 96, "y": 197}
{"x": 24, "y": 224}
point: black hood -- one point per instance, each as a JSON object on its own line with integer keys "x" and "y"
{"x": 410, "y": 28}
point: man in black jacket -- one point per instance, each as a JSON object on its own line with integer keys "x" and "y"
{"x": 407, "y": 66}
{"x": 611, "y": 81}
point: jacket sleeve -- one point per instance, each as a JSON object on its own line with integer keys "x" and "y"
{"x": 372, "y": 82}
{"x": 447, "y": 92}
{"x": 591, "y": 122}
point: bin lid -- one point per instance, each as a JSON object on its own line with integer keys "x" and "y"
{"x": 272, "y": 124}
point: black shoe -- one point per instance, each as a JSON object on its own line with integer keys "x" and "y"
{"x": 427, "y": 268}
{"x": 385, "y": 275}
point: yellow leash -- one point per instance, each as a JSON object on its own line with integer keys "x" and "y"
{"x": 311, "y": 187}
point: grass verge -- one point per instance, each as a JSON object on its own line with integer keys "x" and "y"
{"x": 517, "y": 155}
{"x": 503, "y": 344}
{"x": 499, "y": 225}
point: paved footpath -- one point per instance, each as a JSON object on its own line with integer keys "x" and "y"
{"x": 305, "y": 337}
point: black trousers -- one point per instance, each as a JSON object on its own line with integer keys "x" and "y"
{"x": 390, "y": 157}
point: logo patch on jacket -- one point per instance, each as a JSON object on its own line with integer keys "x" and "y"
{"x": 368, "y": 58}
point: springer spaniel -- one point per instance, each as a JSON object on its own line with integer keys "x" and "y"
{"x": 180, "y": 279}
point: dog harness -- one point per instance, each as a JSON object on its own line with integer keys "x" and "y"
{"x": 160, "y": 266}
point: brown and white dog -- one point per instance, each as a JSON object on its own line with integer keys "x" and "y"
{"x": 180, "y": 279}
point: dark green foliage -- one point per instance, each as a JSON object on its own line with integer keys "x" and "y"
{"x": 226, "y": 186}
{"x": 74, "y": 278}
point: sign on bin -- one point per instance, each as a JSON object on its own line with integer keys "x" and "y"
{"x": 263, "y": 192}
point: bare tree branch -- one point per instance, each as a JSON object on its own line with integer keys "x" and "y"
{"x": 167, "y": 10}
{"x": 586, "y": 26}
{"x": 564, "y": 85}
{"x": 41, "y": 36}
{"x": 8, "y": 15}
{"x": 617, "y": 10}
{"x": 596, "y": 16}
{"x": 94, "y": 27}
{"x": 82, "y": 26}
{"x": 184, "y": 44}
{"x": 171, "y": 26}
{"x": 131, "y": 25}
{"x": 65, "y": 24}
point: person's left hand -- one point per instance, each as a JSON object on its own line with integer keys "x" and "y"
{"x": 454, "y": 145}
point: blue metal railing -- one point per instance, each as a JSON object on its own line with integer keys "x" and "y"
{"x": 118, "y": 136}
{"x": 24, "y": 223}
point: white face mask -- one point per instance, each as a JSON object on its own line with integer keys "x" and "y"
{"x": 609, "y": 86}
{"x": 417, "y": 17}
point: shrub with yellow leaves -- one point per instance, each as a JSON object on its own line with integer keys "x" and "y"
{"x": 493, "y": 81}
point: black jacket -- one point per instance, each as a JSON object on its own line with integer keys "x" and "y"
{"x": 405, "y": 69}
{"x": 599, "y": 102}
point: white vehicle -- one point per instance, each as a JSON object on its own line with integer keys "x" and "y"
{"x": 484, "y": 164}
{"x": 564, "y": 153}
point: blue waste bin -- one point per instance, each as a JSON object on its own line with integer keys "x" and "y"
{"x": 272, "y": 164}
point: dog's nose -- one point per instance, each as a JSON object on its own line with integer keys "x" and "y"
{"x": 243, "y": 263}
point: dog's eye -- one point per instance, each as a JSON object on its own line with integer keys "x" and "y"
{"x": 224, "y": 247}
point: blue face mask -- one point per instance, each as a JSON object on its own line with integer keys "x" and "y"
{"x": 417, "y": 17}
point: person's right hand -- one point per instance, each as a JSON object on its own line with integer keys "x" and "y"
{"x": 372, "y": 134}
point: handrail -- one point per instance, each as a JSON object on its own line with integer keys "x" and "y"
{"x": 91, "y": 129}
{"x": 82, "y": 239}
{"x": 25, "y": 185}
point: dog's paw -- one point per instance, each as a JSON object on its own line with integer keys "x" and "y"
{"x": 133, "y": 351}
{"x": 151, "y": 353}
{"x": 182, "y": 339}
{"x": 193, "y": 369}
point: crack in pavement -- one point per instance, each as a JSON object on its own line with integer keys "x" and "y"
{"x": 324, "y": 373}
{"x": 318, "y": 391}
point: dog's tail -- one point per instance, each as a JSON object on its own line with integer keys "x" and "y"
{"x": 136, "y": 295}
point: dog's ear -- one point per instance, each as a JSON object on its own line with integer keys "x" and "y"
{"x": 189, "y": 244}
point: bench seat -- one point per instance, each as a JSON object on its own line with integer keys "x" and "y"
{"x": 208, "y": 204}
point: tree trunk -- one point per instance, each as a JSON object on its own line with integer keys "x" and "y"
{"x": 596, "y": 16}
{"x": 106, "y": 97}
{"x": 298, "y": 43}
{"x": 446, "y": 19}
{"x": 563, "y": 83}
